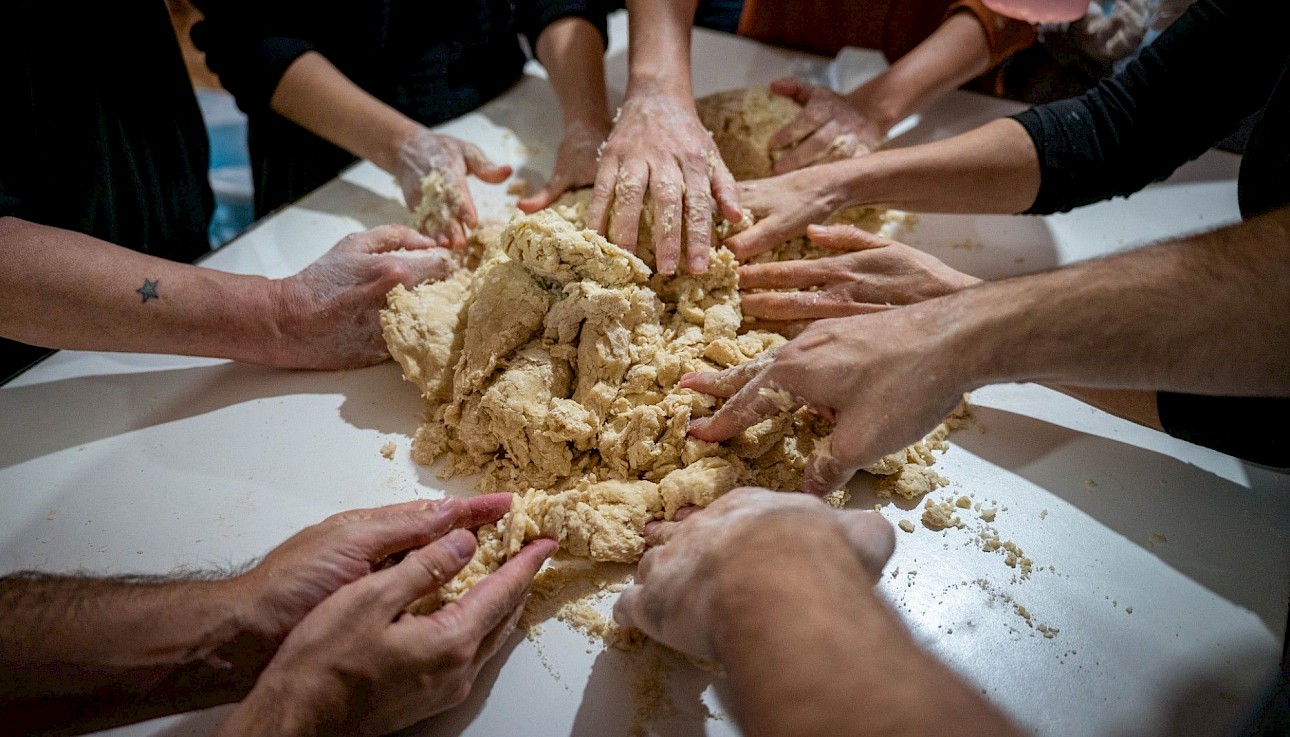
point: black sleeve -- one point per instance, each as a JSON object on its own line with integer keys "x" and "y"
{"x": 1251, "y": 428}
{"x": 533, "y": 16}
{"x": 1209, "y": 71}
{"x": 248, "y": 53}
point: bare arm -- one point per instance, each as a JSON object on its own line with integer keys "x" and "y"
{"x": 832, "y": 127}
{"x": 63, "y": 289}
{"x": 778, "y": 588}
{"x": 572, "y": 52}
{"x": 659, "y": 155}
{"x": 991, "y": 169}
{"x": 1203, "y": 314}
{"x": 317, "y": 96}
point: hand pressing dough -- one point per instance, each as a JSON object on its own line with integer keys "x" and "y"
{"x": 566, "y": 355}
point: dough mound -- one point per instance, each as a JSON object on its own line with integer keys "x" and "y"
{"x": 552, "y": 370}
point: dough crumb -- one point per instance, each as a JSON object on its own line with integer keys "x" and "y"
{"x": 906, "y": 525}
{"x": 939, "y": 515}
{"x": 1158, "y": 539}
{"x": 438, "y": 206}
{"x": 387, "y": 450}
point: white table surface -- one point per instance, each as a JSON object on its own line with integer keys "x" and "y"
{"x": 119, "y": 463}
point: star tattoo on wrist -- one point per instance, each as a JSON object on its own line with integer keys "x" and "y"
{"x": 149, "y": 289}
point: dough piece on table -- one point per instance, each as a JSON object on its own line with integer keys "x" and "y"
{"x": 421, "y": 328}
{"x": 439, "y": 202}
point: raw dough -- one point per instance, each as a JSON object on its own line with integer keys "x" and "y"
{"x": 565, "y": 353}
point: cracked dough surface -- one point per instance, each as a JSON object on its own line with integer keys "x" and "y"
{"x": 551, "y": 370}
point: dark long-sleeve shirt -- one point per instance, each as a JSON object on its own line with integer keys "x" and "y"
{"x": 432, "y": 61}
{"x": 100, "y": 132}
{"x": 1218, "y": 64}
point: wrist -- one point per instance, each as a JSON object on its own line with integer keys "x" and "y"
{"x": 875, "y": 103}
{"x": 663, "y": 84}
{"x": 283, "y": 706}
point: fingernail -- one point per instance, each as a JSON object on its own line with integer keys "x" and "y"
{"x": 461, "y": 543}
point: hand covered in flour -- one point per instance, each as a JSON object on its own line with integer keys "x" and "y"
{"x": 424, "y": 153}
{"x": 784, "y": 205}
{"x": 328, "y": 315}
{"x": 360, "y": 664}
{"x": 660, "y": 156}
{"x": 576, "y": 163}
{"x": 694, "y": 569}
{"x": 887, "y": 378}
{"x": 874, "y": 274}
{"x": 829, "y": 128}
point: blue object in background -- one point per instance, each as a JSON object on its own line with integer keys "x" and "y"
{"x": 230, "y": 172}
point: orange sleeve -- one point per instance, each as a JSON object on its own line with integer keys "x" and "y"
{"x": 1004, "y": 36}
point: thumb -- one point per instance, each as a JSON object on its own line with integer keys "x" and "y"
{"x": 480, "y": 165}
{"x": 872, "y": 538}
{"x": 792, "y": 87}
{"x": 550, "y": 192}
{"x": 423, "y": 571}
{"x": 386, "y": 238}
{"x": 845, "y": 237}
{"x": 825, "y": 471}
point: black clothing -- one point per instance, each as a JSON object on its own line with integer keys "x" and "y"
{"x": 430, "y": 61}
{"x": 1222, "y": 62}
{"x": 101, "y": 132}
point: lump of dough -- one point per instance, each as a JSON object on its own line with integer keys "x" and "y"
{"x": 421, "y": 328}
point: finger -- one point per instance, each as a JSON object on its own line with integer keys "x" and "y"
{"x": 808, "y": 152}
{"x": 492, "y": 599}
{"x": 482, "y": 167}
{"x": 724, "y": 189}
{"x": 799, "y": 274}
{"x": 659, "y": 532}
{"x": 698, "y": 221}
{"x": 629, "y": 200}
{"x": 424, "y": 266}
{"x": 749, "y": 406}
{"x": 602, "y": 196}
{"x": 383, "y": 531}
{"x": 385, "y": 238}
{"x": 846, "y": 237}
{"x": 726, "y": 383}
{"x": 629, "y": 610}
{"x": 872, "y": 538}
{"x": 494, "y": 640}
{"x": 827, "y": 468}
{"x": 423, "y": 571}
{"x": 483, "y": 509}
{"x": 792, "y": 87}
{"x": 463, "y": 209}
{"x": 557, "y": 185}
{"x": 761, "y": 237}
{"x": 666, "y": 191}
{"x": 789, "y": 330}
{"x": 457, "y": 234}
{"x": 790, "y": 306}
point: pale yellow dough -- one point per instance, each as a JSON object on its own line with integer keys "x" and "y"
{"x": 565, "y": 353}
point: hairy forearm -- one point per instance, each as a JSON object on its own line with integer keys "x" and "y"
{"x": 810, "y": 649}
{"x": 63, "y": 289}
{"x": 957, "y": 52}
{"x": 659, "y": 47}
{"x": 315, "y": 95}
{"x": 1203, "y": 314}
{"x": 992, "y": 169}
{"x": 78, "y": 654}
{"x": 572, "y": 51}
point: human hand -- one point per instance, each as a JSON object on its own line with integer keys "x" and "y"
{"x": 680, "y": 578}
{"x": 886, "y": 378}
{"x": 424, "y": 152}
{"x": 311, "y": 565}
{"x": 328, "y": 315}
{"x": 877, "y": 274}
{"x": 829, "y": 128}
{"x": 783, "y": 206}
{"x": 659, "y": 152}
{"x": 360, "y": 664}
{"x": 576, "y": 162}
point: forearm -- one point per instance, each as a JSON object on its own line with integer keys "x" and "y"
{"x": 1203, "y": 314}
{"x": 315, "y": 95}
{"x": 63, "y": 289}
{"x": 810, "y": 648}
{"x": 112, "y": 652}
{"x": 659, "y": 47}
{"x": 992, "y": 169}
{"x": 572, "y": 52}
{"x": 957, "y": 52}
